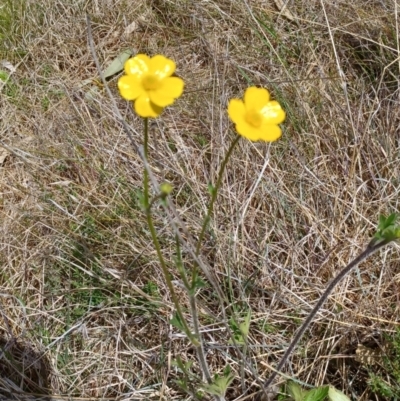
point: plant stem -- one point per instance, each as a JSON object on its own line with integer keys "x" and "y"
{"x": 215, "y": 193}
{"x": 191, "y": 291}
{"x": 200, "y": 347}
{"x": 362, "y": 256}
{"x": 155, "y": 239}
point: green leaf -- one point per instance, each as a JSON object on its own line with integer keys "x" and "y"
{"x": 336, "y": 395}
{"x": 178, "y": 363}
{"x": 227, "y": 371}
{"x": 220, "y": 384}
{"x": 182, "y": 384}
{"x": 382, "y": 222}
{"x": 317, "y": 394}
{"x": 184, "y": 367}
{"x": 391, "y": 219}
{"x": 177, "y": 322}
{"x": 245, "y": 326}
{"x": 140, "y": 198}
{"x": 239, "y": 340}
{"x": 199, "y": 283}
{"x": 387, "y": 228}
{"x": 391, "y": 233}
{"x": 295, "y": 391}
{"x": 240, "y": 330}
{"x": 117, "y": 65}
{"x": 3, "y": 76}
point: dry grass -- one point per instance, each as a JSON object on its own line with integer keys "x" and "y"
{"x": 80, "y": 282}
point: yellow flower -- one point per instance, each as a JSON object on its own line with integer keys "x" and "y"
{"x": 257, "y": 117}
{"x": 149, "y": 83}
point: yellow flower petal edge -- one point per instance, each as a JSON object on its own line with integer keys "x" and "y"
{"x": 256, "y": 117}
{"x": 137, "y": 65}
{"x": 256, "y": 97}
{"x": 149, "y": 83}
{"x": 236, "y": 110}
{"x": 161, "y": 66}
{"x": 145, "y": 108}
{"x": 129, "y": 87}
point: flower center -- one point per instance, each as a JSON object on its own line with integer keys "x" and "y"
{"x": 151, "y": 82}
{"x": 254, "y": 118}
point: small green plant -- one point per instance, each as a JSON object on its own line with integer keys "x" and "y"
{"x": 386, "y": 382}
{"x": 220, "y": 383}
{"x": 321, "y": 393}
{"x": 149, "y": 83}
{"x": 388, "y": 230}
{"x": 10, "y": 88}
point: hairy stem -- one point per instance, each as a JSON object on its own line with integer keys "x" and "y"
{"x": 362, "y": 256}
{"x": 191, "y": 291}
{"x": 215, "y": 193}
{"x": 154, "y": 238}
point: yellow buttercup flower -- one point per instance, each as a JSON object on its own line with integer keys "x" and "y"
{"x": 148, "y": 82}
{"x": 256, "y": 116}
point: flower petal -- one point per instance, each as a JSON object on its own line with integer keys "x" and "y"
{"x": 130, "y": 87}
{"x": 236, "y": 110}
{"x": 273, "y": 113}
{"x": 158, "y": 98}
{"x": 148, "y": 81}
{"x": 145, "y": 108}
{"x": 161, "y": 66}
{"x": 269, "y": 133}
{"x": 137, "y": 65}
{"x": 248, "y": 131}
{"x": 172, "y": 86}
{"x": 255, "y": 98}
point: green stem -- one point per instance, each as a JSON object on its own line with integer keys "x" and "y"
{"x": 215, "y": 193}
{"x": 191, "y": 291}
{"x": 156, "y": 243}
